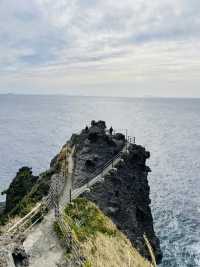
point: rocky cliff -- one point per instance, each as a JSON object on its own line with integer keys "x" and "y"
{"x": 123, "y": 195}
{"x": 101, "y": 244}
{"x": 19, "y": 187}
{"x": 94, "y": 147}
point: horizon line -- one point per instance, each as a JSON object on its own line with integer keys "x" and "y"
{"x": 102, "y": 96}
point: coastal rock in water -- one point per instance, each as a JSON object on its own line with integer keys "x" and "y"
{"x": 124, "y": 197}
{"x": 19, "y": 187}
{"x": 123, "y": 193}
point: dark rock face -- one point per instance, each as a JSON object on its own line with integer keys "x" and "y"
{"x": 2, "y": 207}
{"x": 19, "y": 187}
{"x": 20, "y": 257}
{"x": 124, "y": 197}
{"x": 94, "y": 147}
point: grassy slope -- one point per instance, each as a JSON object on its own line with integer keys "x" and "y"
{"x": 100, "y": 241}
{"x": 34, "y": 193}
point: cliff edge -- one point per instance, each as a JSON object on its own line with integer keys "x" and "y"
{"x": 122, "y": 195}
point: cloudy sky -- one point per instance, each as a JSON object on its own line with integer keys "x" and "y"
{"x": 98, "y": 47}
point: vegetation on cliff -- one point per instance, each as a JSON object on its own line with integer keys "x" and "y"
{"x": 101, "y": 243}
{"x": 24, "y": 192}
{"x": 123, "y": 196}
{"x": 19, "y": 187}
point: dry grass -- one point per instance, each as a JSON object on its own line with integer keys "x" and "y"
{"x": 105, "y": 251}
{"x": 101, "y": 243}
{"x": 11, "y": 221}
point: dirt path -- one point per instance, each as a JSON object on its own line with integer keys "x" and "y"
{"x": 65, "y": 197}
{"x": 42, "y": 243}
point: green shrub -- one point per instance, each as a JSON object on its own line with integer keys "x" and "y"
{"x": 86, "y": 220}
{"x": 58, "y": 230}
{"x": 87, "y": 264}
{"x": 38, "y": 191}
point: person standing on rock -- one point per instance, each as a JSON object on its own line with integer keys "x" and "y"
{"x": 111, "y": 130}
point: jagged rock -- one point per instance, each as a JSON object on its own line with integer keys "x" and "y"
{"x": 54, "y": 161}
{"x": 124, "y": 197}
{"x": 90, "y": 164}
{"x": 6, "y": 259}
{"x": 123, "y": 193}
{"x": 93, "y": 136}
{"x": 20, "y": 257}
{"x": 2, "y": 207}
{"x": 101, "y": 147}
{"x": 119, "y": 136}
{"x": 12, "y": 254}
{"x": 99, "y": 124}
{"x": 19, "y": 187}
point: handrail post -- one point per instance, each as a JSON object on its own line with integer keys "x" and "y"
{"x": 57, "y": 212}
{"x": 70, "y": 195}
{"x": 150, "y": 249}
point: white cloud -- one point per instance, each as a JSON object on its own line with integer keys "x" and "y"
{"x": 71, "y": 43}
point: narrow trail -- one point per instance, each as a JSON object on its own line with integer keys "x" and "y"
{"x": 65, "y": 197}
{"x": 42, "y": 242}
{"x": 43, "y": 245}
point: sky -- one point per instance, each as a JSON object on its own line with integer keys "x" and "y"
{"x": 97, "y": 47}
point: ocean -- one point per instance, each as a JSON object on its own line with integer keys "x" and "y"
{"x": 33, "y": 129}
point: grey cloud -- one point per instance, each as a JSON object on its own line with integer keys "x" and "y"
{"x": 48, "y": 33}
{"x": 93, "y": 24}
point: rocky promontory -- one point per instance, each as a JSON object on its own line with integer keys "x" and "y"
{"x": 122, "y": 194}
{"x": 124, "y": 197}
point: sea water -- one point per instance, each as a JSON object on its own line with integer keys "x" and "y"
{"x": 33, "y": 129}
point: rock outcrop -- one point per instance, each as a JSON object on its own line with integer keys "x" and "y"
{"x": 94, "y": 147}
{"x": 19, "y": 187}
{"x": 123, "y": 195}
{"x": 13, "y": 254}
{"x": 2, "y": 207}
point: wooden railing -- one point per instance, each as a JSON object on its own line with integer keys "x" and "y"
{"x": 71, "y": 244}
{"x": 52, "y": 200}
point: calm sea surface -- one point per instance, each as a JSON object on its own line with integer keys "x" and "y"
{"x": 33, "y": 129}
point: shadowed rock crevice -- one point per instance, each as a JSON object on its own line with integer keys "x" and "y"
{"x": 20, "y": 257}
